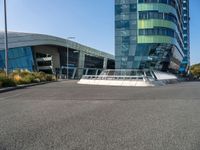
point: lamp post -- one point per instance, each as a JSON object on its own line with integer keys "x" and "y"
{"x": 68, "y": 57}
{"x": 6, "y": 39}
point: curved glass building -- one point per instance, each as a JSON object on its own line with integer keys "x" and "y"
{"x": 150, "y": 34}
{"x": 50, "y": 54}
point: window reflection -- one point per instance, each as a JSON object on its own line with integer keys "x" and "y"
{"x": 18, "y": 58}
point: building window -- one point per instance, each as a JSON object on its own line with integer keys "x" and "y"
{"x": 133, "y": 7}
{"x": 143, "y": 15}
{"x": 169, "y": 2}
{"x": 18, "y": 58}
{"x": 122, "y": 24}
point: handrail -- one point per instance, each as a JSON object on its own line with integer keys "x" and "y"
{"x": 101, "y": 77}
{"x": 130, "y": 74}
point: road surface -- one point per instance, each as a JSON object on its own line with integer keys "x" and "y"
{"x": 67, "y": 116}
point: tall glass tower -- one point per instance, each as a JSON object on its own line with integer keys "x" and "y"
{"x": 150, "y": 34}
{"x": 186, "y": 37}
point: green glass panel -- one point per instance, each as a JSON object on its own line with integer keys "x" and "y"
{"x": 157, "y": 39}
{"x": 151, "y": 23}
{"x": 156, "y": 6}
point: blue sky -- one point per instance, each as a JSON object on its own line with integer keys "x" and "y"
{"x": 90, "y": 21}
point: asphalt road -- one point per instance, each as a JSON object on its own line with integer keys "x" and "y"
{"x": 67, "y": 116}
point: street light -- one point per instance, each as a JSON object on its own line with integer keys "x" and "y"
{"x": 6, "y": 39}
{"x": 68, "y": 57}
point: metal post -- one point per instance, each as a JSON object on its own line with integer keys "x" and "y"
{"x": 67, "y": 62}
{"x": 6, "y": 39}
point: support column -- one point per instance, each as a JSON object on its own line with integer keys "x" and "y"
{"x": 105, "y": 62}
{"x": 81, "y": 64}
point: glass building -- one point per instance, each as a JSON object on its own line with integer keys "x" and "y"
{"x": 186, "y": 37}
{"x": 150, "y": 34}
{"x": 50, "y": 54}
{"x": 18, "y": 58}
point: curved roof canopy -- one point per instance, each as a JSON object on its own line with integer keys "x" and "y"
{"x": 19, "y": 39}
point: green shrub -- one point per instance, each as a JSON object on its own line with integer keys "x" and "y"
{"x": 6, "y": 82}
{"x": 18, "y": 77}
{"x": 50, "y": 77}
{"x": 27, "y": 79}
{"x": 1, "y": 80}
{"x": 14, "y": 73}
{"x": 36, "y": 80}
{"x": 40, "y": 75}
{"x": 22, "y": 76}
{"x": 195, "y": 70}
{"x": 2, "y": 74}
{"x": 25, "y": 74}
{"x": 1, "y": 84}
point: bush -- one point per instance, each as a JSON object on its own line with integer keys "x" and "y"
{"x": 29, "y": 78}
{"x": 2, "y": 74}
{"x": 40, "y": 75}
{"x": 1, "y": 84}
{"x": 37, "y": 80}
{"x": 50, "y": 77}
{"x": 2, "y": 78}
{"x": 195, "y": 70}
{"x": 25, "y": 73}
{"x": 6, "y": 82}
{"x": 18, "y": 77}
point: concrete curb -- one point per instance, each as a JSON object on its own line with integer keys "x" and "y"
{"x": 22, "y": 86}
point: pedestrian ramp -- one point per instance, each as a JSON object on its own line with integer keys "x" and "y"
{"x": 137, "y": 78}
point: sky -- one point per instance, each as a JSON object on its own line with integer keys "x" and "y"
{"x": 91, "y": 22}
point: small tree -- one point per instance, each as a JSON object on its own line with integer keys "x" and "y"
{"x": 195, "y": 70}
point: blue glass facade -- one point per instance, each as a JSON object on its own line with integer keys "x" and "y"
{"x": 150, "y": 34}
{"x": 186, "y": 37}
{"x": 125, "y": 33}
{"x": 18, "y": 58}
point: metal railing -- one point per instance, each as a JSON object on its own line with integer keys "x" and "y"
{"x": 77, "y": 73}
{"x": 123, "y": 78}
{"x": 123, "y": 74}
